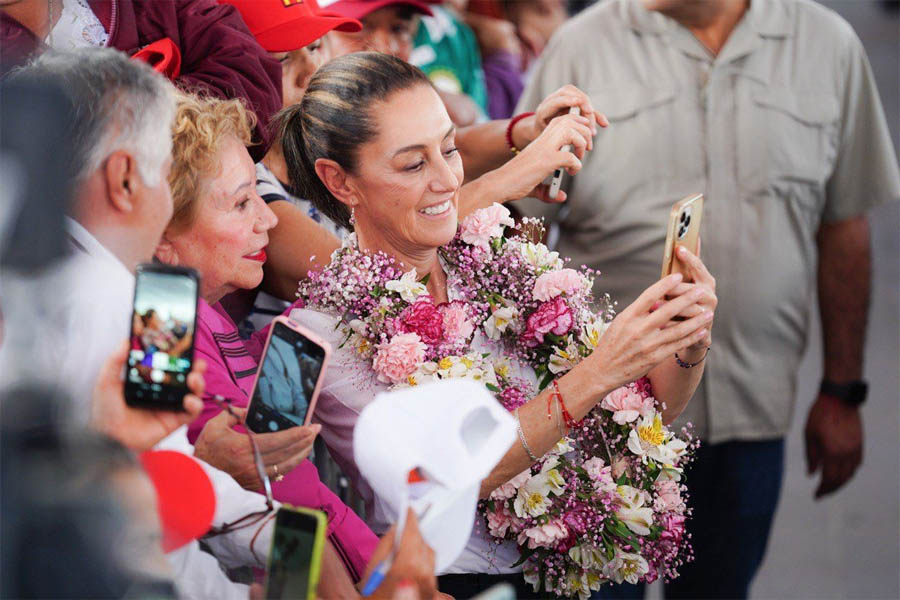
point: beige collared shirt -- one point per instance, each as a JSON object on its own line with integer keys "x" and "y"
{"x": 781, "y": 131}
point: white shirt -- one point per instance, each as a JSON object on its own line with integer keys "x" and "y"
{"x": 72, "y": 318}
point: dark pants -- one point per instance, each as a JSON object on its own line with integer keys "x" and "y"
{"x": 734, "y": 490}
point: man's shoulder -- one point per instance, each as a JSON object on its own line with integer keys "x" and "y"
{"x": 817, "y": 20}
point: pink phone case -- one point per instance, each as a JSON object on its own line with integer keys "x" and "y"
{"x": 295, "y": 326}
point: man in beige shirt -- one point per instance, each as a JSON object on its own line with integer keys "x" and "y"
{"x": 768, "y": 108}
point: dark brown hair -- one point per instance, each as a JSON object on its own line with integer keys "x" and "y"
{"x": 334, "y": 119}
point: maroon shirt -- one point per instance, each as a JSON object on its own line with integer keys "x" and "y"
{"x": 218, "y": 53}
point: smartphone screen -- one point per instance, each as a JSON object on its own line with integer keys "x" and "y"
{"x": 162, "y": 336}
{"x": 296, "y": 550}
{"x": 286, "y": 381}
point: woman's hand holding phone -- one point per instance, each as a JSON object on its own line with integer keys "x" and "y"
{"x": 227, "y": 450}
{"x": 699, "y": 278}
{"x": 646, "y": 333}
{"x": 139, "y": 429}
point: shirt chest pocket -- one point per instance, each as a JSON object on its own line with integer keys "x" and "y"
{"x": 787, "y": 137}
{"x": 633, "y": 146}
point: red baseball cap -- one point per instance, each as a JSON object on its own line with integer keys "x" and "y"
{"x": 287, "y": 25}
{"x": 185, "y": 498}
{"x": 357, "y": 9}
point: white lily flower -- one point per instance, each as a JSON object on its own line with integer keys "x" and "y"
{"x": 564, "y": 359}
{"x": 638, "y": 520}
{"x": 648, "y": 440}
{"x": 408, "y": 286}
{"x": 627, "y": 566}
{"x": 590, "y": 333}
{"x": 531, "y": 499}
{"x": 500, "y": 321}
{"x": 631, "y": 496}
{"x": 540, "y": 256}
{"x": 669, "y": 471}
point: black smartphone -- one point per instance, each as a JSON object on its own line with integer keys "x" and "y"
{"x": 288, "y": 380}
{"x": 295, "y": 560}
{"x": 162, "y": 336}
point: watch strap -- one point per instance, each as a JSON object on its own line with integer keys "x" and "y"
{"x": 852, "y": 393}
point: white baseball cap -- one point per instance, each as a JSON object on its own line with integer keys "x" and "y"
{"x": 451, "y": 434}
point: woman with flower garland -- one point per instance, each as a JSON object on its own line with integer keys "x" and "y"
{"x": 412, "y": 298}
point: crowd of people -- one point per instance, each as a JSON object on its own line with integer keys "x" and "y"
{"x": 263, "y": 142}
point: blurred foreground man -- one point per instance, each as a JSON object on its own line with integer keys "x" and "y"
{"x": 768, "y": 108}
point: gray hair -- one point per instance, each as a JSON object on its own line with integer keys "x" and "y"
{"x": 119, "y": 103}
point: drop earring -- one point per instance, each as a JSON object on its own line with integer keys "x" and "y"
{"x": 352, "y": 217}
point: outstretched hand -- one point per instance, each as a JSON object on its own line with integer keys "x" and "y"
{"x": 139, "y": 428}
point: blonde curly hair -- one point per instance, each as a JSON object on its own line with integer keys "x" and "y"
{"x": 201, "y": 123}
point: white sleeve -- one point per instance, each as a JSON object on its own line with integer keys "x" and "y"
{"x": 232, "y": 503}
{"x": 199, "y": 577}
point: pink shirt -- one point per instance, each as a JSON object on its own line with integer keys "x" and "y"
{"x": 232, "y": 364}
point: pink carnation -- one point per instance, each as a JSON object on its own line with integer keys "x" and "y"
{"x": 553, "y": 317}
{"x": 499, "y": 521}
{"x": 627, "y": 405}
{"x": 545, "y": 536}
{"x": 399, "y": 358}
{"x": 457, "y": 325}
{"x": 482, "y": 225}
{"x": 673, "y": 528}
{"x": 552, "y": 284}
{"x": 668, "y": 497}
{"x": 424, "y": 319}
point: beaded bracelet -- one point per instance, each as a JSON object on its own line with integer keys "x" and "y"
{"x": 509, "y": 129}
{"x": 522, "y": 438}
{"x": 687, "y": 365}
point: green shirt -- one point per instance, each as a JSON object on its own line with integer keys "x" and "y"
{"x": 445, "y": 48}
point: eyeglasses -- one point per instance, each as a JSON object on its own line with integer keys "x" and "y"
{"x": 255, "y": 517}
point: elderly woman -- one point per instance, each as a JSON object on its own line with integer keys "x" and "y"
{"x": 373, "y": 147}
{"x": 220, "y": 228}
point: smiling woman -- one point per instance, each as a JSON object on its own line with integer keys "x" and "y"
{"x": 221, "y": 228}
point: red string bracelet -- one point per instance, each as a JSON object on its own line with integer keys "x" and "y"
{"x": 567, "y": 418}
{"x": 509, "y": 129}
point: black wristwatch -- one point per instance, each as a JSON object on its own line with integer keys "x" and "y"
{"x": 852, "y": 393}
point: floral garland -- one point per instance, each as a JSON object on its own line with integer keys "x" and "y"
{"x": 606, "y": 504}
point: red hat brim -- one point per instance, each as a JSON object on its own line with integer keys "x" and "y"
{"x": 291, "y": 35}
{"x": 357, "y": 9}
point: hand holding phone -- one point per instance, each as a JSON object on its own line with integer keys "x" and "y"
{"x": 161, "y": 353}
{"x": 683, "y": 230}
{"x": 289, "y": 378}
{"x": 556, "y": 180}
{"x": 139, "y": 429}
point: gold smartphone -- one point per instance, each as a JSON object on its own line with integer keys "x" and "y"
{"x": 683, "y": 230}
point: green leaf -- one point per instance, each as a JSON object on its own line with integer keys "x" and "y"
{"x": 526, "y": 554}
{"x": 545, "y": 381}
{"x": 622, "y": 480}
{"x": 492, "y": 388}
{"x": 424, "y": 280}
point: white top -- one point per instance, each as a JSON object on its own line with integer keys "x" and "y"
{"x": 71, "y": 319}
{"x": 77, "y": 27}
{"x": 349, "y": 384}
